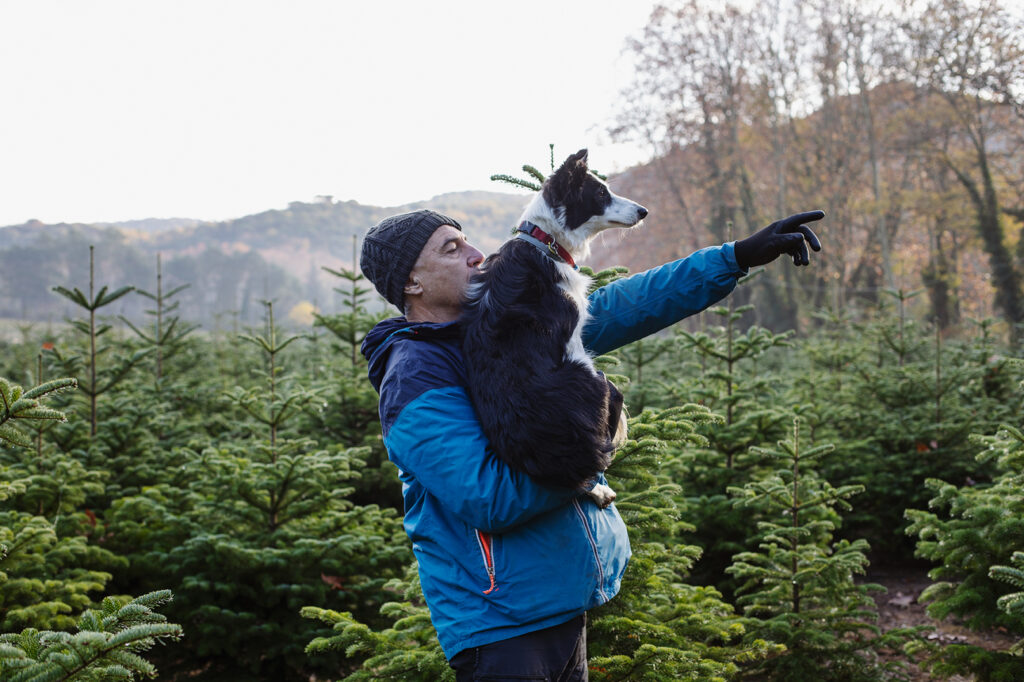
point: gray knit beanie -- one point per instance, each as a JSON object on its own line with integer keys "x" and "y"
{"x": 392, "y": 246}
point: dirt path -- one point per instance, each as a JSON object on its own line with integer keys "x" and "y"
{"x": 899, "y": 608}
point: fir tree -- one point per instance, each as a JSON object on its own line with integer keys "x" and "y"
{"x": 799, "y": 587}
{"x": 659, "y": 626}
{"x": 819, "y": 390}
{"x": 97, "y": 382}
{"x": 54, "y": 482}
{"x": 106, "y": 646}
{"x": 350, "y": 326}
{"x": 534, "y": 179}
{"x": 900, "y": 404}
{"x": 19, "y": 405}
{"x": 749, "y": 418}
{"x": 47, "y": 579}
{"x": 897, "y": 340}
{"x": 979, "y": 532}
{"x": 271, "y": 406}
{"x": 1012, "y": 603}
{"x": 640, "y": 362}
{"x": 166, "y": 337}
{"x": 253, "y": 527}
{"x": 728, "y": 382}
{"x": 347, "y": 412}
{"x": 47, "y": 566}
{"x": 405, "y": 651}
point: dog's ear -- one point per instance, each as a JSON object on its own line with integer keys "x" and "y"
{"x": 569, "y": 176}
{"x": 576, "y": 164}
{"x": 579, "y": 168}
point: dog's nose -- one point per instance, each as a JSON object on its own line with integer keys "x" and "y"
{"x": 642, "y": 212}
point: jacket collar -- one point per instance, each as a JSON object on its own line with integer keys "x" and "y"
{"x": 377, "y": 344}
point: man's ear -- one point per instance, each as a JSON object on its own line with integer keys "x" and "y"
{"x": 413, "y": 287}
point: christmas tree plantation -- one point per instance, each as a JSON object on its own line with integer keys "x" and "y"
{"x": 243, "y": 472}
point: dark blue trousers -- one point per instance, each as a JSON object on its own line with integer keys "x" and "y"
{"x": 555, "y": 654}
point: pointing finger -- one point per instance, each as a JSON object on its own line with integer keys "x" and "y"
{"x": 808, "y": 217}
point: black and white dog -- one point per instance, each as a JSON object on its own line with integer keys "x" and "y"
{"x": 544, "y": 407}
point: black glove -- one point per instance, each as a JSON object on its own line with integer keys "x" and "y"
{"x": 782, "y": 236}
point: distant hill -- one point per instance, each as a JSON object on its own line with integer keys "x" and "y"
{"x": 230, "y": 265}
{"x": 146, "y": 225}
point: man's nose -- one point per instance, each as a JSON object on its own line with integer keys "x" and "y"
{"x": 475, "y": 258}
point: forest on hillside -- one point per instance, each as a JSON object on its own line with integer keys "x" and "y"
{"x": 903, "y": 122}
{"x": 230, "y": 266}
{"x": 187, "y": 503}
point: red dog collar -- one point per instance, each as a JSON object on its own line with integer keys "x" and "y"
{"x": 555, "y": 249}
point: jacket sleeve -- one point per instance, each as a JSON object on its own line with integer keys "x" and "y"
{"x": 632, "y": 308}
{"x": 437, "y": 439}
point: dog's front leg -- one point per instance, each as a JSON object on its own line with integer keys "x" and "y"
{"x": 602, "y": 495}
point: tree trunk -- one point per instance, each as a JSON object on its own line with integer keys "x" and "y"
{"x": 1005, "y": 277}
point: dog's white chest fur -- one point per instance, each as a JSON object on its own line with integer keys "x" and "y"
{"x": 575, "y": 285}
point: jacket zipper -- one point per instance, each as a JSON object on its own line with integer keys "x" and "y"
{"x": 485, "y": 541}
{"x": 593, "y": 547}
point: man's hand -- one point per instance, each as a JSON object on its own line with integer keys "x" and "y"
{"x": 782, "y": 236}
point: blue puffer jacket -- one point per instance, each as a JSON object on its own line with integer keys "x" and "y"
{"x": 498, "y": 554}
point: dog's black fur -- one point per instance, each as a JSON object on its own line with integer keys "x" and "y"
{"x": 544, "y": 408}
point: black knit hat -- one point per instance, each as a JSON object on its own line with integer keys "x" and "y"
{"x": 391, "y": 247}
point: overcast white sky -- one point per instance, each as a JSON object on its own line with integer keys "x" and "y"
{"x": 214, "y": 109}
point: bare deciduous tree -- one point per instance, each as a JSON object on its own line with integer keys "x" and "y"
{"x": 968, "y": 65}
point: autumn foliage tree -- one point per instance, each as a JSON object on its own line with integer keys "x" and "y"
{"x": 902, "y": 122}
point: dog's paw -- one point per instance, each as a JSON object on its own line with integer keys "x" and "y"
{"x": 602, "y": 495}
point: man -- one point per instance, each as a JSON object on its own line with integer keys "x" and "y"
{"x": 509, "y": 567}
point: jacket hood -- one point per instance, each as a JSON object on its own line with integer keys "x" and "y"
{"x": 376, "y": 346}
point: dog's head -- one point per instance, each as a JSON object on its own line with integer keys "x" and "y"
{"x": 583, "y": 205}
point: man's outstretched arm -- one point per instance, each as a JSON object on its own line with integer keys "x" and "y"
{"x": 632, "y": 308}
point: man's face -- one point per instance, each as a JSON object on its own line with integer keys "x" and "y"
{"x": 438, "y": 281}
